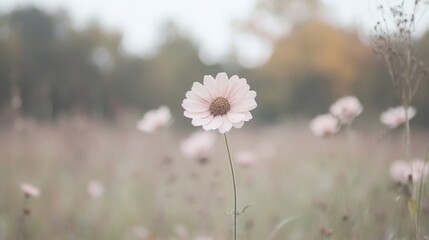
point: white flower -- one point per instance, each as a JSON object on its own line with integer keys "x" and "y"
{"x": 30, "y": 190}
{"x": 220, "y": 103}
{"x": 246, "y": 158}
{"x": 198, "y": 145}
{"x": 95, "y": 189}
{"x": 154, "y": 119}
{"x": 346, "y": 109}
{"x": 324, "y": 125}
{"x": 395, "y": 117}
{"x": 401, "y": 171}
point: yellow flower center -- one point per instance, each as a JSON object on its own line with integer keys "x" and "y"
{"x": 219, "y": 106}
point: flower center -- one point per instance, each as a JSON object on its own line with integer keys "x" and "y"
{"x": 219, "y": 106}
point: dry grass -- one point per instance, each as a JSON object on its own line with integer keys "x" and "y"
{"x": 339, "y": 187}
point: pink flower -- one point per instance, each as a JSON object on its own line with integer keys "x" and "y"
{"x": 220, "y": 103}
{"x": 95, "y": 189}
{"x": 246, "y": 158}
{"x": 155, "y": 119}
{"x": 198, "y": 145}
{"x": 324, "y": 125}
{"x": 395, "y": 117}
{"x": 346, "y": 109}
{"x": 419, "y": 169}
{"x": 401, "y": 171}
{"x": 30, "y": 190}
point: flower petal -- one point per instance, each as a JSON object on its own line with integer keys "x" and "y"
{"x": 244, "y": 106}
{"x": 215, "y": 123}
{"x": 211, "y": 85}
{"x": 226, "y": 125}
{"x": 248, "y": 116}
{"x": 194, "y": 106}
{"x": 202, "y": 121}
{"x": 233, "y": 86}
{"x": 196, "y": 114}
{"x": 242, "y": 91}
{"x": 201, "y": 91}
{"x": 250, "y": 95}
{"x": 222, "y": 84}
{"x": 235, "y": 117}
{"x": 191, "y": 95}
{"x": 238, "y": 125}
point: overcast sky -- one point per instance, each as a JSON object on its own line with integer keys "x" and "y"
{"x": 207, "y": 21}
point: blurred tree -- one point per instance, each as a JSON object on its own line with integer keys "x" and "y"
{"x": 421, "y": 100}
{"x": 56, "y": 69}
{"x": 316, "y": 63}
{"x": 174, "y": 68}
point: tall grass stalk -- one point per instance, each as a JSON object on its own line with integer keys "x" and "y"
{"x": 393, "y": 42}
{"x": 21, "y": 221}
{"x": 420, "y": 195}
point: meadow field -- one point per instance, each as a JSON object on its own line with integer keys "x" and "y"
{"x": 214, "y": 120}
{"x": 298, "y": 186}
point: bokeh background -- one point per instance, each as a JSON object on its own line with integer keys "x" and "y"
{"x": 102, "y": 59}
{"x": 76, "y": 76}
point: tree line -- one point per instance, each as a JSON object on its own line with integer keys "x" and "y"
{"x": 49, "y": 69}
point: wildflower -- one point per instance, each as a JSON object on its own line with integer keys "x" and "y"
{"x": 419, "y": 169}
{"x": 155, "y": 119}
{"x": 30, "y": 190}
{"x": 346, "y": 109}
{"x": 95, "y": 189}
{"x": 395, "y": 117}
{"x": 246, "y": 158}
{"x": 220, "y": 103}
{"x": 324, "y": 125}
{"x": 198, "y": 145}
{"x": 402, "y": 171}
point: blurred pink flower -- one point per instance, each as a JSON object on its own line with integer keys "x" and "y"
{"x": 198, "y": 145}
{"x": 220, "y": 103}
{"x": 419, "y": 169}
{"x": 246, "y": 158}
{"x": 30, "y": 190}
{"x": 401, "y": 171}
{"x": 155, "y": 119}
{"x": 324, "y": 125}
{"x": 394, "y": 117}
{"x": 346, "y": 109}
{"x": 95, "y": 189}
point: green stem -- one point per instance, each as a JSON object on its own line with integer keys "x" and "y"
{"x": 408, "y": 158}
{"x": 420, "y": 195}
{"x": 407, "y": 134}
{"x": 234, "y": 187}
{"x": 21, "y": 221}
